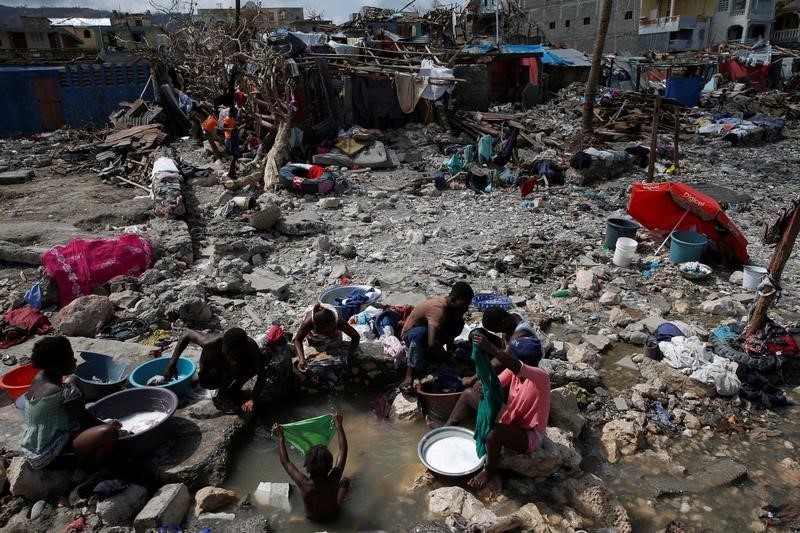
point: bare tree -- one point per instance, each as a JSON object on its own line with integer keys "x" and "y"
{"x": 594, "y": 72}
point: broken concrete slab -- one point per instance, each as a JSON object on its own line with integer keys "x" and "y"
{"x": 273, "y": 495}
{"x": 263, "y": 280}
{"x": 12, "y": 177}
{"x": 374, "y": 156}
{"x": 720, "y": 474}
{"x": 24, "y": 255}
{"x": 167, "y": 507}
{"x": 301, "y": 224}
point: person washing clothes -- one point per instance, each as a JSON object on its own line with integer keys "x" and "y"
{"x": 522, "y": 423}
{"x": 56, "y": 420}
{"x": 324, "y": 488}
{"x": 322, "y": 326}
{"x": 432, "y": 325}
{"x": 227, "y": 362}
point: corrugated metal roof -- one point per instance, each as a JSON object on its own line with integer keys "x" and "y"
{"x": 80, "y": 22}
{"x": 575, "y": 58}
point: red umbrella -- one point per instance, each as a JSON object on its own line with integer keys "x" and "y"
{"x": 676, "y": 206}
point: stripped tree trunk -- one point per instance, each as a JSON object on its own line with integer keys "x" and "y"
{"x": 594, "y": 72}
{"x": 276, "y": 155}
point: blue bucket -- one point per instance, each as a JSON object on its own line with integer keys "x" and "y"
{"x": 100, "y": 375}
{"x": 687, "y": 246}
{"x": 184, "y": 367}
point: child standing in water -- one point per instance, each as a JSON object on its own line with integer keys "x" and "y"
{"x": 324, "y": 488}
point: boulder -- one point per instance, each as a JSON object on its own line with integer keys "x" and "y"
{"x": 724, "y": 307}
{"x": 532, "y": 519}
{"x": 84, "y": 316}
{"x": 404, "y": 409}
{"x": 598, "y": 342}
{"x": 581, "y": 353}
{"x": 126, "y": 299}
{"x": 610, "y": 299}
{"x": 623, "y": 315}
{"x": 167, "y": 507}
{"x": 455, "y": 501}
{"x": 564, "y": 412}
{"x": 586, "y": 284}
{"x": 674, "y": 380}
{"x": 210, "y": 499}
{"x": 621, "y": 437}
{"x": 590, "y": 497}
{"x": 35, "y": 485}
{"x": 120, "y": 508}
{"x": 556, "y": 454}
{"x": 563, "y": 372}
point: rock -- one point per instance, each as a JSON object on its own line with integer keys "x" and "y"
{"x": 790, "y": 472}
{"x": 167, "y": 507}
{"x": 623, "y": 315}
{"x": 598, "y": 342}
{"x": 532, "y": 519}
{"x": 35, "y": 485}
{"x": 118, "y": 509}
{"x": 24, "y": 255}
{"x": 450, "y": 501}
{"x": 621, "y": 437}
{"x": 674, "y": 380}
{"x": 125, "y": 299}
{"x": 586, "y": 284}
{"x": 724, "y": 307}
{"x": 192, "y": 310}
{"x": 737, "y": 278}
{"x": 374, "y": 156}
{"x": 13, "y": 177}
{"x": 301, "y": 224}
{"x": 590, "y": 497}
{"x": 329, "y": 203}
{"x": 610, "y": 299}
{"x": 211, "y": 499}
{"x": 564, "y": 372}
{"x": 404, "y": 409}
{"x": 556, "y": 454}
{"x": 720, "y": 474}
{"x": 324, "y": 244}
{"x": 84, "y": 316}
{"x": 263, "y": 280}
{"x": 266, "y": 217}
{"x": 349, "y": 252}
{"x": 273, "y": 495}
{"x": 621, "y": 404}
{"x": 415, "y": 236}
{"x": 338, "y": 271}
{"x": 582, "y": 353}
{"x": 564, "y": 412}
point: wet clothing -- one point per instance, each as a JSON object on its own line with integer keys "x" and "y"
{"x": 491, "y": 398}
{"x": 528, "y": 404}
{"x": 49, "y": 428}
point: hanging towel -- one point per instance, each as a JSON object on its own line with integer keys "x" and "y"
{"x": 307, "y": 433}
{"x": 409, "y": 91}
{"x": 491, "y": 399}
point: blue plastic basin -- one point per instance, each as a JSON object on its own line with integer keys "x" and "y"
{"x": 486, "y": 300}
{"x": 346, "y": 311}
{"x": 100, "y": 375}
{"x": 185, "y": 367}
{"x": 687, "y": 246}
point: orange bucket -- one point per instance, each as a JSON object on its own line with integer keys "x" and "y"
{"x": 18, "y": 381}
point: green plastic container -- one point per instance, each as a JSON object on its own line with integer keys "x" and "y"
{"x": 687, "y": 246}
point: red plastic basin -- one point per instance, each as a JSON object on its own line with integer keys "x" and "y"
{"x": 18, "y": 381}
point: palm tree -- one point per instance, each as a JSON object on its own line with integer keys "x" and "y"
{"x": 594, "y": 72}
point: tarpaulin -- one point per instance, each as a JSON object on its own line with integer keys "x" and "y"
{"x": 660, "y": 206}
{"x": 755, "y": 76}
{"x": 83, "y": 264}
{"x": 307, "y": 433}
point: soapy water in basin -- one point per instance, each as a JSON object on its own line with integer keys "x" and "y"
{"x": 139, "y": 422}
{"x": 453, "y": 455}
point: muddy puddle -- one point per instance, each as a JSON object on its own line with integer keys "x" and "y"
{"x": 382, "y": 462}
{"x": 729, "y": 508}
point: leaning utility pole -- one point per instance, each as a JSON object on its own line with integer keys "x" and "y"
{"x": 594, "y": 72}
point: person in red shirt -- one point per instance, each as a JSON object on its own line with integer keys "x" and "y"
{"x": 523, "y": 422}
{"x": 232, "y": 139}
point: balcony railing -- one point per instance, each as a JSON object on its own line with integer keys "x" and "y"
{"x": 737, "y": 13}
{"x": 786, "y": 36}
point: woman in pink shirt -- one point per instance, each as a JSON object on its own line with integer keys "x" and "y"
{"x": 523, "y": 422}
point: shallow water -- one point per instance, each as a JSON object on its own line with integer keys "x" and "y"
{"x": 382, "y": 462}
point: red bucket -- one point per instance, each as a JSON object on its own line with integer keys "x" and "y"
{"x": 18, "y": 381}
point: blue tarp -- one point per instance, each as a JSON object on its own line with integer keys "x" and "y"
{"x": 685, "y": 90}
{"x": 547, "y": 57}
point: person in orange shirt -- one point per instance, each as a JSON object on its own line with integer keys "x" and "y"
{"x": 232, "y": 139}
{"x": 523, "y": 422}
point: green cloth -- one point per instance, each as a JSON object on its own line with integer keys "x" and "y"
{"x": 491, "y": 398}
{"x": 49, "y": 426}
{"x": 307, "y": 433}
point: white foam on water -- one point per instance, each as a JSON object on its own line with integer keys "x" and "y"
{"x": 138, "y": 422}
{"x": 452, "y": 455}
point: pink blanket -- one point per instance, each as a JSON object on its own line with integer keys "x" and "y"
{"x": 82, "y": 264}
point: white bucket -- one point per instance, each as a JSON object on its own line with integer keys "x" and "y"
{"x": 753, "y": 275}
{"x": 623, "y": 254}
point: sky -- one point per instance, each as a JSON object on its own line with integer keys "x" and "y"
{"x": 336, "y": 10}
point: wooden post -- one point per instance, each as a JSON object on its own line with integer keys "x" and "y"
{"x": 676, "y": 135}
{"x": 782, "y": 253}
{"x": 651, "y": 162}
